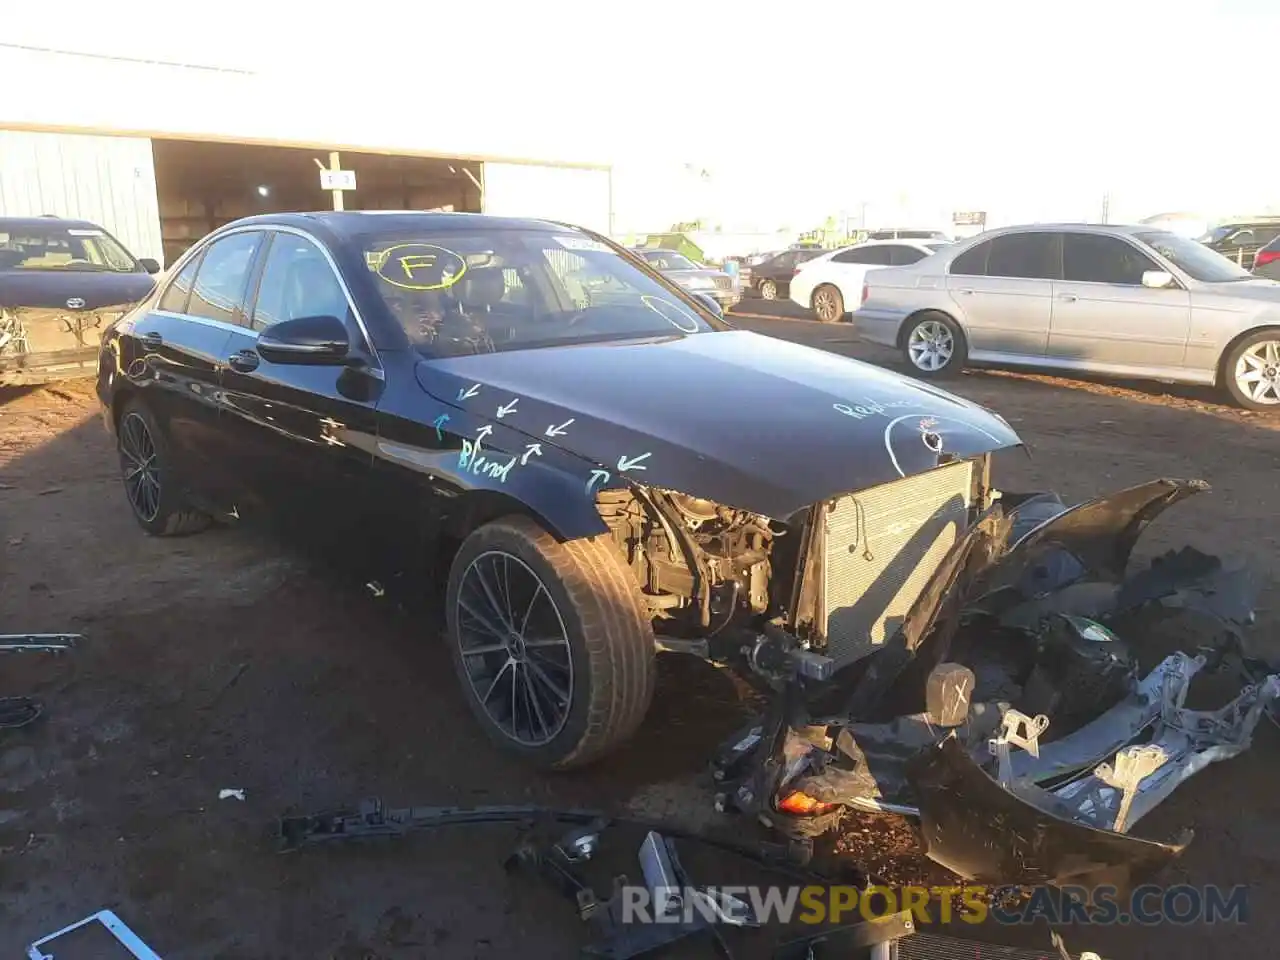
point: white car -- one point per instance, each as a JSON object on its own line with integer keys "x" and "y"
{"x": 831, "y": 285}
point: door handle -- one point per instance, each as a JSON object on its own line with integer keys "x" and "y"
{"x": 246, "y": 361}
{"x": 1069, "y": 297}
{"x": 964, "y": 290}
{"x": 152, "y": 340}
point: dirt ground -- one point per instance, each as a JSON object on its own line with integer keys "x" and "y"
{"x": 224, "y": 661}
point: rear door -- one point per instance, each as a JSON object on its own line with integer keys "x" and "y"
{"x": 1103, "y": 315}
{"x": 299, "y": 436}
{"x": 846, "y": 269}
{"x": 1003, "y": 290}
{"x": 180, "y": 346}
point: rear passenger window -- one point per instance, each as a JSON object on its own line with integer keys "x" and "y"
{"x": 901, "y": 256}
{"x": 1028, "y": 256}
{"x": 175, "y": 298}
{"x": 973, "y": 262}
{"x": 223, "y": 278}
{"x": 875, "y": 256}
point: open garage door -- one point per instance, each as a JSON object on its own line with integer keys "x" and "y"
{"x": 574, "y": 195}
{"x": 204, "y": 185}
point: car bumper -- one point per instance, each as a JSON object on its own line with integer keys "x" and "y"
{"x": 1271, "y": 271}
{"x": 876, "y": 326}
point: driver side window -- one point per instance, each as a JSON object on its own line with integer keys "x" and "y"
{"x": 297, "y": 281}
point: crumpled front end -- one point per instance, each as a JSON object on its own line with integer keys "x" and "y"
{"x": 1029, "y": 706}
{"x": 39, "y": 343}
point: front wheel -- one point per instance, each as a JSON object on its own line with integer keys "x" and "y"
{"x": 827, "y": 303}
{"x": 1252, "y": 371}
{"x": 934, "y": 345}
{"x": 768, "y": 290}
{"x": 551, "y": 642}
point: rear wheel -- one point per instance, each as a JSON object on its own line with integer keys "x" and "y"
{"x": 551, "y": 643}
{"x": 827, "y": 303}
{"x": 768, "y": 290}
{"x": 934, "y": 345}
{"x": 1252, "y": 371}
{"x": 150, "y": 484}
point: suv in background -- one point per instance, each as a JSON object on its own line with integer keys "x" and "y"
{"x": 61, "y": 283}
{"x": 907, "y": 235}
{"x": 1240, "y": 240}
{"x": 831, "y": 284}
{"x": 1267, "y": 262}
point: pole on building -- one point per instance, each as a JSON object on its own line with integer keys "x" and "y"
{"x": 335, "y": 165}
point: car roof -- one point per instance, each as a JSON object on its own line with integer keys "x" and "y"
{"x": 349, "y": 223}
{"x": 33, "y": 223}
{"x": 1112, "y": 228}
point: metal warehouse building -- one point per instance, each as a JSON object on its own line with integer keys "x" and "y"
{"x": 161, "y": 153}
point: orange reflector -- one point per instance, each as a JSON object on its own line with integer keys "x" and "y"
{"x": 801, "y": 804}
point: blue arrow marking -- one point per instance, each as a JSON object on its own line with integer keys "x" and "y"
{"x": 439, "y": 422}
{"x": 596, "y": 479}
{"x": 633, "y": 464}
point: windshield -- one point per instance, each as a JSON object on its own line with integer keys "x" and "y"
{"x": 459, "y": 293}
{"x": 55, "y": 247}
{"x": 1194, "y": 258}
{"x": 665, "y": 260}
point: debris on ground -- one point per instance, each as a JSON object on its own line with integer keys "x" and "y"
{"x": 1024, "y": 712}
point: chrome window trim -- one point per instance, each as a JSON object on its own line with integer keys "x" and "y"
{"x": 267, "y": 228}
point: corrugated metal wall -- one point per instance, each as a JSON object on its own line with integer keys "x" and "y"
{"x": 110, "y": 181}
{"x": 578, "y": 196}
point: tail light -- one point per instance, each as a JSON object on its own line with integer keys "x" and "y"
{"x": 802, "y": 805}
{"x": 866, "y": 292}
{"x": 1267, "y": 256}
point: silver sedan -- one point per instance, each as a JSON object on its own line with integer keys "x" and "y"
{"x": 1112, "y": 300}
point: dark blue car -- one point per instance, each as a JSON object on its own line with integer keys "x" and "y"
{"x": 592, "y": 459}
{"x": 61, "y": 283}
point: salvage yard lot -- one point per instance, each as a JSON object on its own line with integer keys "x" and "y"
{"x": 222, "y": 661}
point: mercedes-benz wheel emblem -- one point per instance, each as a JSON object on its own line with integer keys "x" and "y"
{"x": 76, "y": 303}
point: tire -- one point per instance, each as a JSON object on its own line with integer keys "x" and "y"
{"x": 768, "y": 290}
{"x": 827, "y": 304}
{"x": 1251, "y": 371}
{"x": 153, "y": 492}
{"x": 950, "y": 348}
{"x": 594, "y": 637}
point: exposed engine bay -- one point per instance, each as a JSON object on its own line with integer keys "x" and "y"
{"x": 988, "y": 665}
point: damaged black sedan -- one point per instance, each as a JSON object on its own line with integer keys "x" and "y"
{"x": 597, "y": 463}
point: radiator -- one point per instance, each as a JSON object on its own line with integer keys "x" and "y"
{"x": 882, "y": 546}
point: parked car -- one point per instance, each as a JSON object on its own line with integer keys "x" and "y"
{"x": 900, "y": 234}
{"x": 1113, "y": 300}
{"x": 1240, "y": 240}
{"x": 61, "y": 282}
{"x": 771, "y": 279}
{"x": 596, "y": 464}
{"x": 828, "y": 284}
{"x": 1267, "y": 262}
{"x": 695, "y": 277}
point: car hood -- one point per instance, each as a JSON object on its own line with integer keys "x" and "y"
{"x": 1259, "y": 289}
{"x": 743, "y": 419}
{"x": 53, "y": 288}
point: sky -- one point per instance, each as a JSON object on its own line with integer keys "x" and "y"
{"x": 882, "y": 112}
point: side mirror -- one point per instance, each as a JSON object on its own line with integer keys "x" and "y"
{"x": 149, "y": 265}
{"x": 1157, "y": 279}
{"x": 305, "y": 340}
{"x": 711, "y": 303}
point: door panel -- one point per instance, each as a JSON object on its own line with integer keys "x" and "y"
{"x": 299, "y": 436}
{"x": 1103, "y": 315}
{"x": 1003, "y": 289}
{"x": 1007, "y": 315}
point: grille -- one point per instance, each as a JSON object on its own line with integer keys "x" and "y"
{"x": 883, "y": 544}
{"x": 724, "y": 283}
